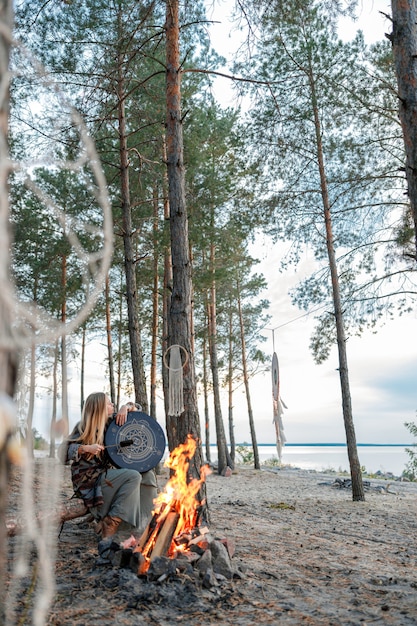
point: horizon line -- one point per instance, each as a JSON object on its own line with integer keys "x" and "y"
{"x": 334, "y": 444}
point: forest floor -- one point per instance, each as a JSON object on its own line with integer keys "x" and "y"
{"x": 305, "y": 553}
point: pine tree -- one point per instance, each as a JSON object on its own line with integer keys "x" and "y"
{"x": 313, "y": 141}
{"x": 403, "y": 39}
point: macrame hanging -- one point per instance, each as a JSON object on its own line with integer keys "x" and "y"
{"x": 278, "y": 407}
{"x": 175, "y": 380}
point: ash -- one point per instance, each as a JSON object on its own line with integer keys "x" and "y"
{"x": 170, "y": 589}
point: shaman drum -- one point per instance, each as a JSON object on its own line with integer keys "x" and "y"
{"x": 139, "y": 444}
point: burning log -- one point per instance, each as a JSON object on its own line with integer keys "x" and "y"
{"x": 165, "y": 536}
{"x": 155, "y": 541}
{"x": 147, "y": 533}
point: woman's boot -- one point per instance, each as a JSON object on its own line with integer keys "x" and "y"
{"x": 109, "y": 526}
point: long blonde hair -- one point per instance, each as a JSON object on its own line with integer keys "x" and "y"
{"x": 94, "y": 419}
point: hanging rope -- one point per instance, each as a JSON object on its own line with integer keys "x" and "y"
{"x": 275, "y": 377}
{"x": 175, "y": 380}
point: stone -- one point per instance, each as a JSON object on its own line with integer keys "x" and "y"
{"x": 204, "y": 563}
{"x": 221, "y": 560}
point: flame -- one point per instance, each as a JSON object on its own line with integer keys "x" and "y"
{"x": 179, "y": 493}
{"x": 179, "y": 497}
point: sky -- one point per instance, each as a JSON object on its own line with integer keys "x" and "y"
{"x": 382, "y": 373}
{"x": 382, "y": 366}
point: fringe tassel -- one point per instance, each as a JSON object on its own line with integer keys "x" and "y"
{"x": 176, "y": 391}
{"x": 279, "y": 426}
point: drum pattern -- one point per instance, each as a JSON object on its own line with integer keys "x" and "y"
{"x": 148, "y": 444}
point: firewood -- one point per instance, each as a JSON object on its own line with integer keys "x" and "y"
{"x": 138, "y": 563}
{"x": 147, "y": 533}
{"x": 164, "y": 538}
{"x": 200, "y": 538}
{"x": 71, "y": 509}
{"x": 183, "y": 538}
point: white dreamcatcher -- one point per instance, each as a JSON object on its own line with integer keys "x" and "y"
{"x": 173, "y": 361}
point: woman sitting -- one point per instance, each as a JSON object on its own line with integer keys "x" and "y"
{"x": 113, "y": 495}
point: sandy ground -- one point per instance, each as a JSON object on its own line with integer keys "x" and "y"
{"x": 305, "y": 554}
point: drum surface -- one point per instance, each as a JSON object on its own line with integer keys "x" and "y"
{"x": 148, "y": 442}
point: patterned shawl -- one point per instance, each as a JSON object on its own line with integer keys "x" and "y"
{"x": 86, "y": 473}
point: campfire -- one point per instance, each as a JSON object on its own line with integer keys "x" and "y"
{"x": 176, "y": 522}
{"x": 176, "y": 541}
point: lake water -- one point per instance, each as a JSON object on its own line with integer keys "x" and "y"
{"x": 319, "y": 457}
{"x": 383, "y": 458}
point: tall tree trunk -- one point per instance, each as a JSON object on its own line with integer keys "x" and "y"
{"x": 31, "y": 407}
{"x": 404, "y": 46}
{"x": 130, "y": 263}
{"x": 179, "y": 319}
{"x": 358, "y": 493}
{"x": 119, "y": 346}
{"x": 166, "y": 290}
{"x": 32, "y": 389}
{"x": 8, "y": 349}
{"x": 206, "y": 405}
{"x": 218, "y": 419}
{"x": 155, "y": 305}
{"x": 82, "y": 367}
{"x": 64, "y": 367}
{"x": 192, "y": 328}
{"x": 223, "y": 457}
{"x": 230, "y": 390}
{"x": 109, "y": 341}
{"x": 257, "y": 465}
{"x": 54, "y": 400}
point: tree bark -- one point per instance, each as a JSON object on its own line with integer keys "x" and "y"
{"x": 31, "y": 407}
{"x": 167, "y": 288}
{"x": 257, "y": 465}
{"x": 223, "y": 457}
{"x": 69, "y": 510}
{"x": 206, "y": 404}
{"x": 179, "y": 319}
{"x": 404, "y": 46}
{"x": 110, "y": 342}
{"x": 64, "y": 424}
{"x": 8, "y": 349}
{"x": 54, "y": 400}
{"x": 119, "y": 347}
{"x": 358, "y": 493}
{"x": 218, "y": 419}
{"x": 155, "y": 306}
{"x": 82, "y": 365}
{"x": 131, "y": 285}
{"x": 230, "y": 389}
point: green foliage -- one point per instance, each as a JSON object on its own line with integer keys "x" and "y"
{"x": 282, "y": 506}
{"x": 42, "y": 255}
{"x": 272, "y": 462}
{"x": 338, "y": 96}
{"x": 39, "y": 443}
{"x": 410, "y": 471}
{"x": 245, "y": 453}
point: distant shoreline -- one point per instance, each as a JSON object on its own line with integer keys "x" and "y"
{"x": 327, "y": 445}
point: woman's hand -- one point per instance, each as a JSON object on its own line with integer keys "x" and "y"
{"x": 121, "y": 416}
{"x": 93, "y": 448}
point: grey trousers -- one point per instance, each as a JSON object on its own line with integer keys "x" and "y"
{"x": 128, "y": 495}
